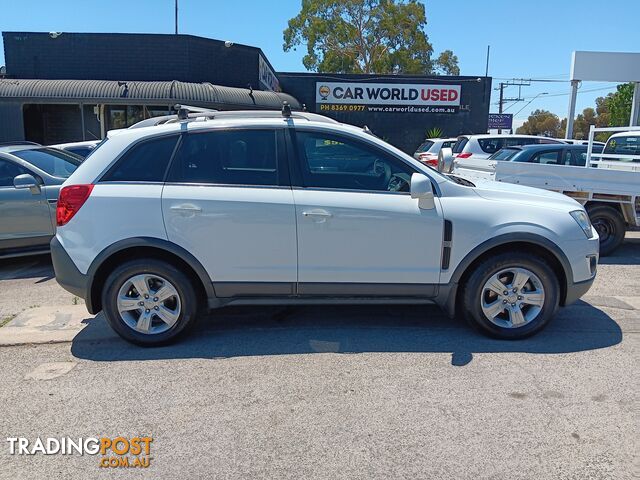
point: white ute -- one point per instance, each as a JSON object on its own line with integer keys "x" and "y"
{"x": 284, "y": 208}
{"x": 608, "y": 186}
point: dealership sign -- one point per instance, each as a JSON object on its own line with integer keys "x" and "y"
{"x": 267, "y": 77}
{"x": 500, "y": 120}
{"x": 405, "y": 94}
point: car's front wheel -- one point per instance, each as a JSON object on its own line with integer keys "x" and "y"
{"x": 149, "y": 302}
{"x": 511, "y": 295}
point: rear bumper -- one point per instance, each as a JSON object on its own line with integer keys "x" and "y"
{"x": 67, "y": 274}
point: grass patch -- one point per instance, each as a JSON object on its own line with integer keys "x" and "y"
{"x": 7, "y": 319}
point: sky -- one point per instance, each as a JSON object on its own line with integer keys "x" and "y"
{"x": 528, "y": 39}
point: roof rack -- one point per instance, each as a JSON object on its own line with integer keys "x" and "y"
{"x": 19, "y": 142}
{"x": 187, "y": 115}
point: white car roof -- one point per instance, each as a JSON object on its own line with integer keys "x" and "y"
{"x": 510, "y": 135}
{"x": 120, "y": 139}
{"x": 632, "y": 133}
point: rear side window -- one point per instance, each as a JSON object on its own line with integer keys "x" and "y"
{"x": 145, "y": 162}
{"x": 425, "y": 146}
{"x": 491, "y": 145}
{"x": 460, "y": 144}
{"x": 227, "y": 157}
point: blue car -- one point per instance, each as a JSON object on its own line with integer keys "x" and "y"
{"x": 554, "y": 154}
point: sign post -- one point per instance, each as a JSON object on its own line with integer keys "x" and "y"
{"x": 500, "y": 121}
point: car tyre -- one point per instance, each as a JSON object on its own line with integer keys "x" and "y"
{"x": 158, "y": 320}
{"x": 610, "y": 226}
{"x": 535, "y": 303}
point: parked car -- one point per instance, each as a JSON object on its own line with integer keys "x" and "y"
{"x": 573, "y": 141}
{"x": 82, "y": 149}
{"x": 483, "y": 146}
{"x": 557, "y": 154}
{"x": 625, "y": 144}
{"x": 427, "y": 152}
{"x": 30, "y": 179}
{"x": 160, "y": 221}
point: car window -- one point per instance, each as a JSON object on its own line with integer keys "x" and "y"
{"x": 448, "y": 144}
{"x": 9, "y": 171}
{"x": 545, "y": 141}
{"x": 491, "y": 145}
{"x": 426, "y": 145}
{"x": 53, "y": 161}
{"x": 504, "y": 154}
{"x": 331, "y": 161}
{"x": 460, "y": 144}
{"x": 228, "y": 157}
{"x": 146, "y": 161}
{"x": 548, "y": 157}
{"x": 629, "y": 145}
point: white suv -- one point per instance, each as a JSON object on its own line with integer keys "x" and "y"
{"x": 483, "y": 146}
{"x": 264, "y": 208}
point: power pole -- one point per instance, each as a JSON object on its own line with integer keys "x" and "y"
{"x": 176, "y": 17}
{"x": 501, "y": 102}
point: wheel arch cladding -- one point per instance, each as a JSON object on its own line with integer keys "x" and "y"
{"x": 143, "y": 247}
{"x": 512, "y": 242}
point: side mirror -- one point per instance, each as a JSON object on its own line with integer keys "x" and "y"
{"x": 26, "y": 181}
{"x": 445, "y": 160}
{"x": 422, "y": 190}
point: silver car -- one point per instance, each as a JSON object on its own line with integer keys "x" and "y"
{"x": 30, "y": 179}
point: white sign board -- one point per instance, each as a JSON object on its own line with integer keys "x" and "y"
{"x": 605, "y": 66}
{"x": 267, "y": 77}
{"x": 405, "y": 94}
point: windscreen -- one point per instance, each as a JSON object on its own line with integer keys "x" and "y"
{"x": 50, "y": 160}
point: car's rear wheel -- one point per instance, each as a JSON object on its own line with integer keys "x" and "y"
{"x": 149, "y": 302}
{"x": 610, "y": 226}
{"x": 511, "y": 295}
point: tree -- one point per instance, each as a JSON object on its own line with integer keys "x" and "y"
{"x": 542, "y": 122}
{"x": 447, "y": 63}
{"x": 365, "y": 36}
{"x": 583, "y": 123}
{"x": 619, "y": 105}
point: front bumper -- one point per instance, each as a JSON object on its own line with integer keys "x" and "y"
{"x": 577, "y": 290}
{"x": 67, "y": 274}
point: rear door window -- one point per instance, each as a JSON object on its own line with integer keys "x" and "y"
{"x": 548, "y": 157}
{"x": 146, "y": 161}
{"x": 229, "y": 157}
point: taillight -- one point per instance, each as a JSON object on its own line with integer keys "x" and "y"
{"x": 432, "y": 162}
{"x": 464, "y": 155}
{"x": 70, "y": 200}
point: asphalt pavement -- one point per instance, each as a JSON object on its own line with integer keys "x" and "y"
{"x": 336, "y": 392}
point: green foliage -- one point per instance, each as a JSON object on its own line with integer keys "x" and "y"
{"x": 434, "y": 132}
{"x": 366, "y": 36}
{"x": 619, "y": 105}
{"x": 542, "y": 122}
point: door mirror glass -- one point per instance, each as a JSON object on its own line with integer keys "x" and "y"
{"x": 26, "y": 181}
{"x": 422, "y": 190}
{"x": 445, "y": 160}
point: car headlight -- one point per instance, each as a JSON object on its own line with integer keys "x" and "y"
{"x": 581, "y": 217}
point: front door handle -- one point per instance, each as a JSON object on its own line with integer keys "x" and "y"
{"x": 186, "y": 209}
{"x": 320, "y": 215}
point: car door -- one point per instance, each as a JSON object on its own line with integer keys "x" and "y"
{"x": 359, "y": 230}
{"x": 228, "y": 201}
{"x": 26, "y": 221}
